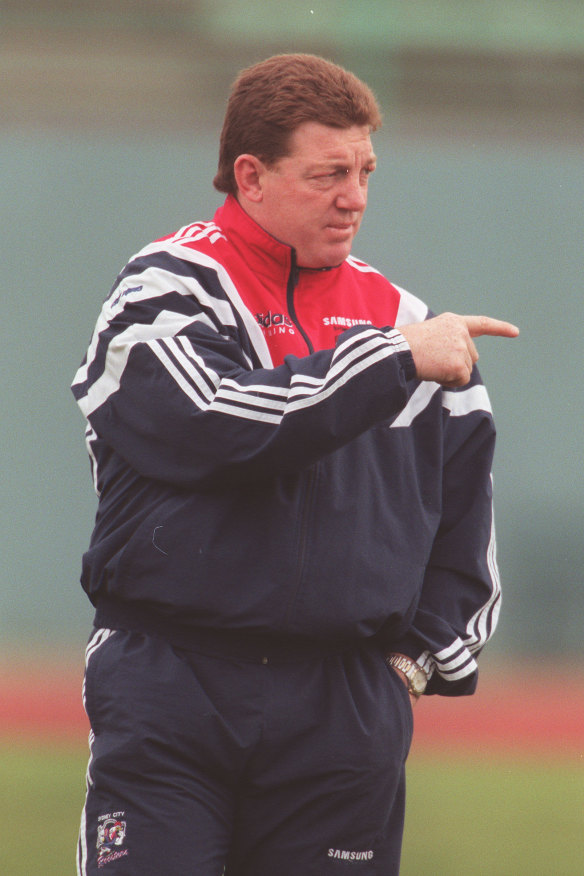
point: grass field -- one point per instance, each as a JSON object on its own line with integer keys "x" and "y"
{"x": 467, "y": 815}
{"x": 494, "y": 817}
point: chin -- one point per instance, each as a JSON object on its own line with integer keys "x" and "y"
{"x": 333, "y": 255}
{"x": 338, "y": 255}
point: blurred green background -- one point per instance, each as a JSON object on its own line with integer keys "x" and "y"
{"x": 109, "y": 119}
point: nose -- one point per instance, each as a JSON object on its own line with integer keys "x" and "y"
{"x": 353, "y": 195}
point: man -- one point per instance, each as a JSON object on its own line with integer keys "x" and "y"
{"x": 294, "y": 535}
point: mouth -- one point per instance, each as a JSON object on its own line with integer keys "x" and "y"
{"x": 341, "y": 228}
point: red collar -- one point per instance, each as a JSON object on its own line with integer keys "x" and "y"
{"x": 264, "y": 253}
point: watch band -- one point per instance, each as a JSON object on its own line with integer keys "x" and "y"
{"x": 416, "y": 676}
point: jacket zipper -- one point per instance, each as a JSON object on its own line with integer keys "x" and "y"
{"x": 290, "y": 290}
{"x": 312, "y": 473}
{"x": 304, "y": 517}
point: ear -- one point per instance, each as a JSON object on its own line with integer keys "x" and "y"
{"x": 248, "y": 171}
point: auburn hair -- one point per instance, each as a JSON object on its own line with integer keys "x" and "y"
{"x": 269, "y": 100}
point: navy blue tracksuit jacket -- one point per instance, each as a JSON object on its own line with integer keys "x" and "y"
{"x": 267, "y": 462}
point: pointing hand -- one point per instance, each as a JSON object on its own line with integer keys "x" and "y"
{"x": 443, "y": 347}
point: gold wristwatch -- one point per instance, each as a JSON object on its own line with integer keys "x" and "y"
{"x": 416, "y": 676}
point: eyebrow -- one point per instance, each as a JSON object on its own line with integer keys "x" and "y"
{"x": 338, "y": 163}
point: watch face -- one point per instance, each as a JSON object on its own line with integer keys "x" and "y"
{"x": 419, "y": 682}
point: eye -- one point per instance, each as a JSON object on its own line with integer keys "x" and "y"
{"x": 331, "y": 176}
{"x": 339, "y": 172}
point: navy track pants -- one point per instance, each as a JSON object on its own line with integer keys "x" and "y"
{"x": 279, "y": 765}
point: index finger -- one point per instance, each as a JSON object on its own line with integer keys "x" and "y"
{"x": 486, "y": 325}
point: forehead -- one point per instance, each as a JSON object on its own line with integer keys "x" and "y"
{"x": 312, "y": 141}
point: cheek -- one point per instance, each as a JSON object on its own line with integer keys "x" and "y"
{"x": 306, "y": 215}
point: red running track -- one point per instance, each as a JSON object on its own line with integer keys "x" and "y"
{"x": 531, "y": 711}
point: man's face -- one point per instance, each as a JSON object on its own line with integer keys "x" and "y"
{"x": 315, "y": 197}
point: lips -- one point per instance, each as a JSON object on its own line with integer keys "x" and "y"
{"x": 342, "y": 228}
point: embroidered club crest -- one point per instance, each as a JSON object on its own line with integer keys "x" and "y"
{"x": 111, "y": 833}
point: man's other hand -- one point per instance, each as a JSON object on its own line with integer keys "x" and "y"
{"x": 443, "y": 347}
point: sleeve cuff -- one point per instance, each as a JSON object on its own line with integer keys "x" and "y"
{"x": 438, "y": 683}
